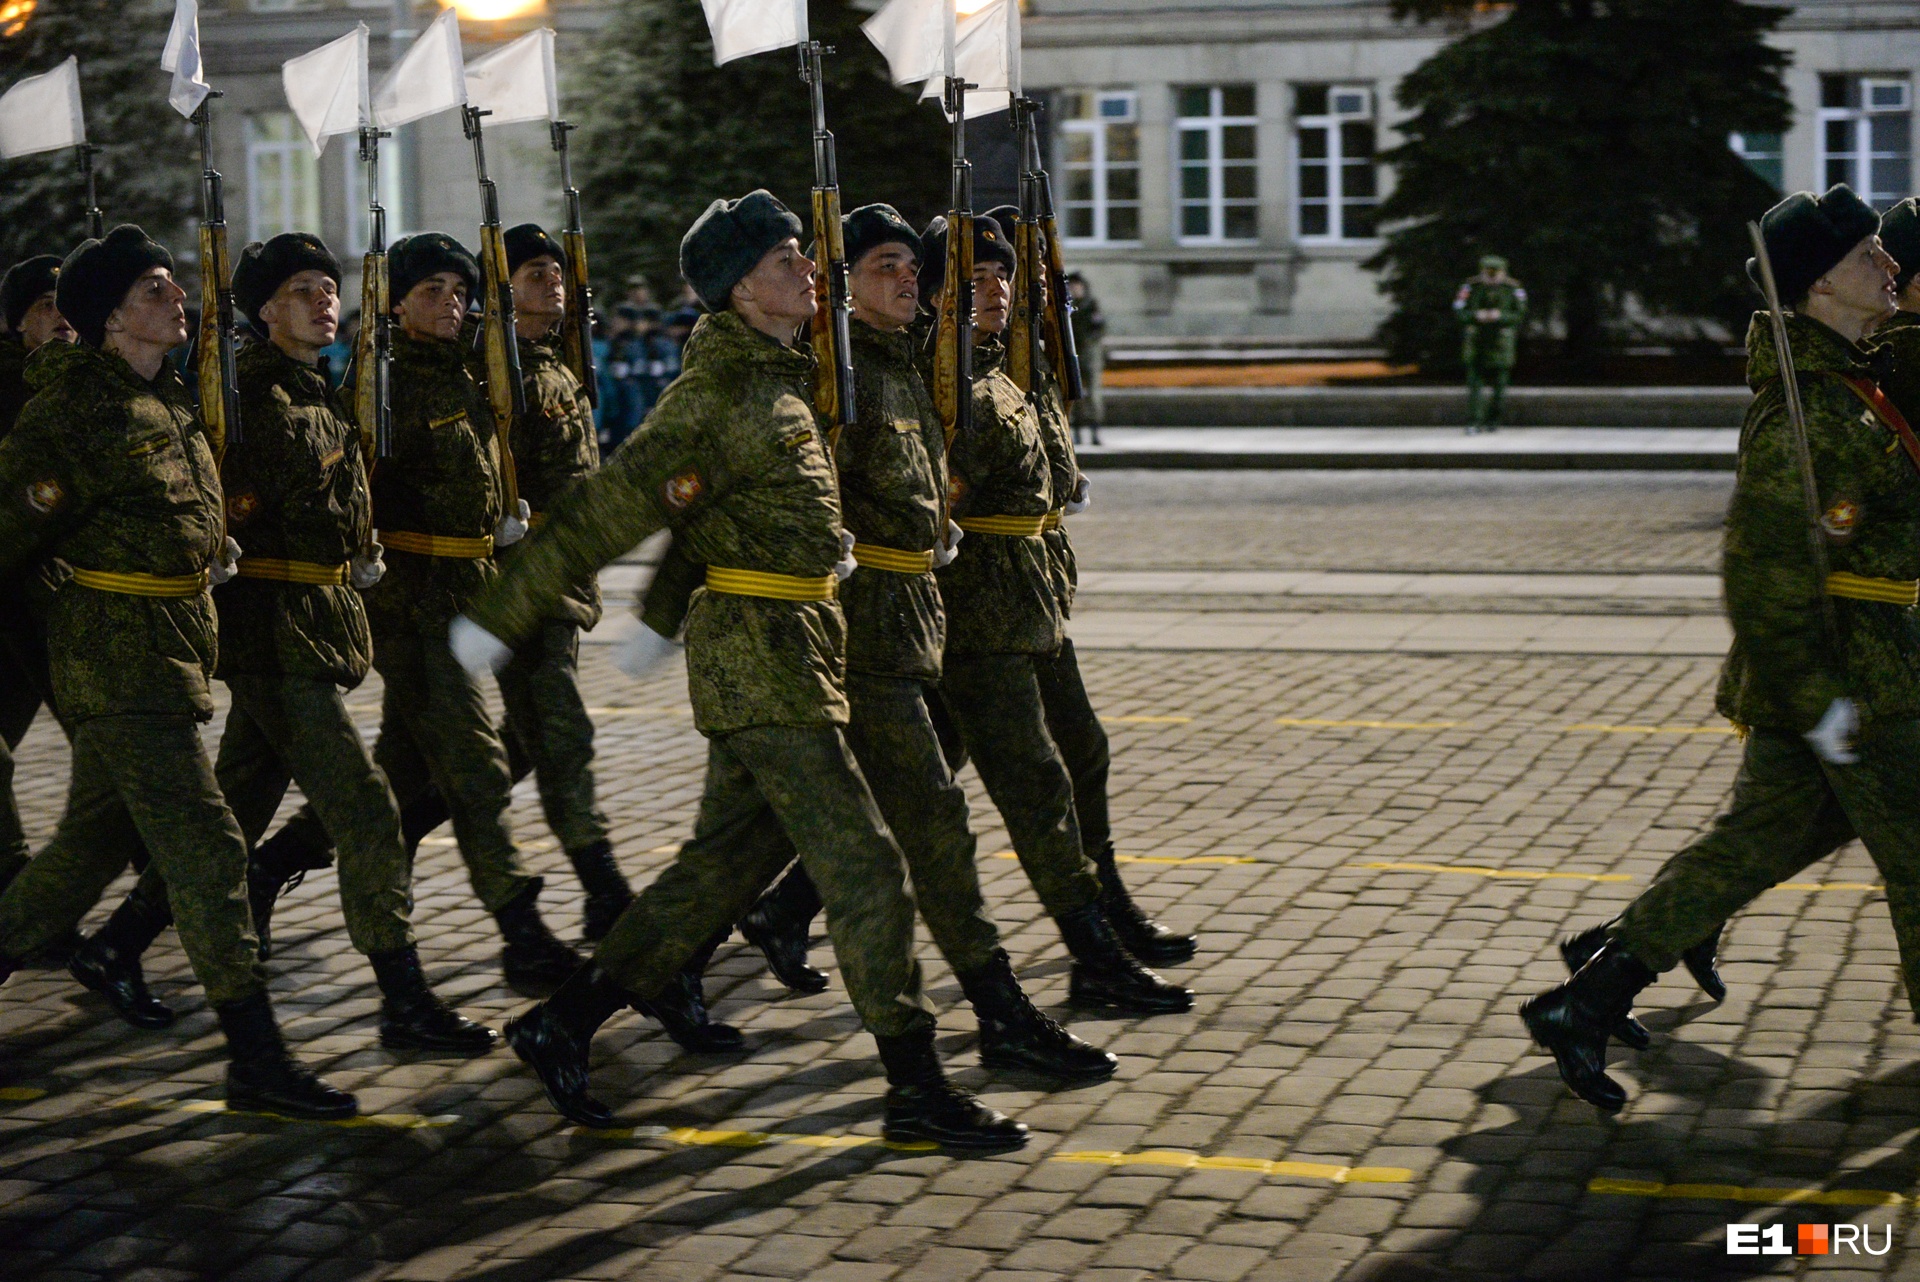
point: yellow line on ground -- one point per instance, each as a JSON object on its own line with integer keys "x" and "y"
{"x": 695, "y": 1137}
{"x": 20, "y": 1094}
{"x": 1598, "y": 729}
{"x": 617, "y": 710}
{"x": 1366, "y": 725}
{"x": 1161, "y": 859}
{"x": 1151, "y": 721}
{"x": 1529, "y": 874}
{"x": 1733, "y": 1193}
{"x": 1828, "y": 885}
{"x": 1195, "y": 1162}
{"x": 390, "y": 1121}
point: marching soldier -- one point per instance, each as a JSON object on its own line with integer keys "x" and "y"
{"x": 110, "y": 469}
{"x": 1822, "y": 673}
{"x": 1490, "y": 308}
{"x": 1899, "y": 334}
{"x": 733, "y": 461}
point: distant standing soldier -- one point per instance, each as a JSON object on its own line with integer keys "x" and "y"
{"x": 1090, "y": 340}
{"x": 1490, "y": 308}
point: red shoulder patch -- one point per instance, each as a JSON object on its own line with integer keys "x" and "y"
{"x": 242, "y": 507}
{"x": 45, "y": 495}
{"x": 683, "y": 491}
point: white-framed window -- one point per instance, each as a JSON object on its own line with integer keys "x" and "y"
{"x": 1866, "y": 136}
{"x": 283, "y": 182}
{"x": 1336, "y": 182}
{"x": 1100, "y": 165}
{"x": 1218, "y": 188}
{"x": 1762, "y": 152}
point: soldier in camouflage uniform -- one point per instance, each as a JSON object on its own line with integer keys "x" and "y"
{"x": 110, "y": 469}
{"x": 733, "y": 461}
{"x": 1830, "y": 702}
{"x": 1899, "y": 334}
{"x": 1490, "y": 308}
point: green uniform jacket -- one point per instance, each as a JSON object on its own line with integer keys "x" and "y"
{"x": 1490, "y": 343}
{"x": 110, "y": 472}
{"x": 1899, "y": 338}
{"x": 443, "y": 477}
{"x": 13, "y": 381}
{"x": 999, "y": 591}
{"x": 1782, "y": 673}
{"x": 892, "y": 473}
{"x": 732, "y": 461}
{"x": 555, "y": 445}
{"x": 1056, "y": 429}
{"x": 296, "y": 488}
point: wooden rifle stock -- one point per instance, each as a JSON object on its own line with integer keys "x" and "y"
{"x": 830, "y": 331}
{"x": 953, "y": 341}
{"x": 576, "y": 339}
{"x": 373, "y": 345}
{"x": 1036, "y": 194}
{"x": 500, "y": 343}
{"x": 214, "y": 373}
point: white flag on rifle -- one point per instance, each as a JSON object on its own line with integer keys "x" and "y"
{"x": 327, "y": 88}
{"x": 741, "y": 27}
{"x": 516, "y": 83}
{"x": 430, "y": 79}
{"x": 912, "y": 35}
{"x": 986, "y": 56}
{"x": 42, "y": 113}
{"x": 181, "y": 57}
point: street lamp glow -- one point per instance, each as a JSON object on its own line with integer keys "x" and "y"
{"x": 14, "y": 15}
{"x": 494, "y": 10}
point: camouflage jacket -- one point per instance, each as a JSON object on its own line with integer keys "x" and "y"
{"x": 13, "y": 381}
{"x": 999, "y": 592}
{"x": 554, "y": 445}
{"x": 1490, "y": 342}
{"x": 110, "y": 472}
{"x": 1782, "y": 671}
{"x": 1899, "y": 343}
{"x": 1050, "y": 406}
{"x": 296, "y": 488}
{"x": 443, "y": 478}
{"x": 892, "y": 465}
{"x": 732, "y": 461}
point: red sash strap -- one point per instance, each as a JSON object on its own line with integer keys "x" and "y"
{"x": 1869, "y": 391}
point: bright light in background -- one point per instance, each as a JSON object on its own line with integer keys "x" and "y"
{"x": 14, "y": 15}
{"x": 494, "y": 10}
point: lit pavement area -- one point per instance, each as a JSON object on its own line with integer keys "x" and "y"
{"x": 1378, "y": 846}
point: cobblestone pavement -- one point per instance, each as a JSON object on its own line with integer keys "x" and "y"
{"x": 1379, "y": 851}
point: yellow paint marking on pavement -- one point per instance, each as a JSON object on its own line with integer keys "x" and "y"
{"x": 1366, "y": 725}
{"x": 389, "y": 1121}
{"x": 695, "y": 1137}
{"x": 1598, "y": 729}
{"x": 1733, "y": 1193}
{"x": 663, "y": 850}
{"x": 621, "y": 710}
{"x": 1528, "y": 874}
{"x": 1151, "y": 721}
{"x": 1196, "y": 1162}
{"x": 1828, "y": 885}
{"x": 1161, "y": 859}
{"x": 20, "y": 1094}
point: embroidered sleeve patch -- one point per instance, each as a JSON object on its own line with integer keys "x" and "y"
{"x": 795, "y": 440}
{"x": 956, "y": 490}
{"x": 447, "y": 421}
{"x": 45, "y": 495}
{"x": 682, "y": 491}
{"x": 242, "y": 507}
{"x": 334, "y": 456}
{"x": 1840, "y": 520}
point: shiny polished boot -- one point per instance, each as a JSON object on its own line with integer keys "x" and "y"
{"x": 923, "y": 1105}
{"x": 681, "y": 1007}
{"x": 413, "y": 1018}
{"x": 1013, "y": 1034}
{"x": 279, "y": 864}
{"x": 109, "y": 963}
{"x": 1576, "y": 951}
{"x": 533, "y": 959}
{"x": 262, "y": 1076}
{"x": 1105, "y": 974}
{"x": 1572, "y": 1022}
{"x": 608, "y": 893}
{"x": 1703, "y": 963}
{"x": 779, "y": 925}
{"x": 552, "y": 1039}
{"x": 1144, "y": 937}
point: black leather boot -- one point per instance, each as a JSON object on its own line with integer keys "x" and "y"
{"x": 1576, "y": 951}
{"x": 1573, "y": 1021}
{"x": 109, "y": 963}
{"x": 1105, "y": 974}
{"x": 681, "y": 1007}
{"x": 1144, "y": 937}
{"x": 533, "y": 959}
{"x": 278, "y": 864}
{"x": 1703, "y": 963}
{"x": 552, "y": 1039}
{"x": 923, "y": 1105}
{"x": 780, "y": 923}
{"x": 263, "y": 1077}
{"x": 1015, "y": 1035}
{"x": 412, "y": 1018}
{"x": 608, "y": 893}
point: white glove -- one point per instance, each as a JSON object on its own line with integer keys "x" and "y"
{"x": 365, "y": 570}
{"x": 643, "y": 652}
{"x": 846, "y": 564}
{"x": 1832, "y": 739}
{"x": 478, "y": 651}
{"x": 1080, "y": 500}
{"x": 943, "y": 553}
{"x": 513, "y": 528}
{"x": 226, "y": 565}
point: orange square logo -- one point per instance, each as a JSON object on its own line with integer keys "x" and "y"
{"x": 1813, "y": 1239}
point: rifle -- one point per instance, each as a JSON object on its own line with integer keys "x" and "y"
{"x": 576, "y": 332}
{"x": 953, "y": 335}
{"x": 1054, "y": 322}
{"x": 213, "y": 347}
{"x": 497, "y": 333}
{"x": 831, "y": 332}
{"x": 96, "y": 219}
{"x": 373, "y": 345}
{"x": 1027, "y": 324}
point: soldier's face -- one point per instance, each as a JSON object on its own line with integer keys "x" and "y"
{"x": 540, "y": 289}
{"x": 992, "y": 297}
{"x": 885, "y": 285}
{"x": 1862, "y": 282}
{"x": 780, "y": 286}
{"x": 154, "y": 312}
{"x": 304, "y": 311}
{"x": 43, "y": 323}
{"x": 435, "y": 307}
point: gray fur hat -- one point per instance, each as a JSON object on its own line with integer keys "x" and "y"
{"x": 729, "y": 240}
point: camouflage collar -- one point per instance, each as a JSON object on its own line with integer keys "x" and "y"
{"x": 264, "y": 355}
{"x": 726, "y": 335}
{"x": 451, "y": 352}
{"x": 896, "y": 346}
{"x": 989, "y": 354}
{"x": 1816, "y": 349}
{"x": 1899, "y": 320}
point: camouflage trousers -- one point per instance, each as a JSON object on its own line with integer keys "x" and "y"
{"x": 434, "y": 733}
{"x": 995, "y": 702}
{"x": 1789, "y": 810}
{"x": 285, "y": 730}
{"x": 772, "y": 790}
{"x": 144, "y": 778}
{"x": 1487, "y": 393}
{"x": 548, "y": 724}
{"x": 1082, "y": 741}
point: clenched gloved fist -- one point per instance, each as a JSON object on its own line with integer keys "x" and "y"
{"x": 643, "y": 652}
{"x": 477, "y": 650}
{"x": 227, "y": 564}
{"x": 943, "y": 553}
{"x": 1832, "y": 739}
{"x": 846, "y": 564}
{"x": 513, "y": 527}
{"x": 1078, "y": 503}
{"x": 365, "y": 570}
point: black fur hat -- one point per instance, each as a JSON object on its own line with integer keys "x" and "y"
{"x": 1807, "y": 235}
{"x": 990, "y": 245}
{"x": 26, "y": 283}
{"x": 729, "y": 240}
{"x": 416, "y": 257}
{"x": 529, "y": 241}
{"x": 872, "y": 226}
{"x": 265, "y": 266}
{"x": 1899, "y": 232}
{"x": 96, "y": 276}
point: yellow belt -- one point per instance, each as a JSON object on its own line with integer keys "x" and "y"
{"x": 135, "y": 584}
{"x": 875, "y": 557}
{"x": 438, "y": 544}
{"x": 1012, "y": 525}
{"x": 1054, "y": 518}
{"x": 1860, "y": 588}
{"x": 779, "y": 587}
{"x": 267, "y": 567}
